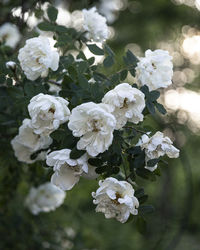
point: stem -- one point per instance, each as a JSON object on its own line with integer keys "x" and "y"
{"x": 54, "y": 82}
{"x": 138, "y": 130}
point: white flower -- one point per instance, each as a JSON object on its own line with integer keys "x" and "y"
{"x": 11, "y": 65}
{"x": 67, "y": 171}
{"x": 45, "y": 198}
{"x": 127, "y": 104}
{"x": 115, "y": 199}
{"x": 155, "y": 69}
{"x": 95, "y": 24}
{"x": 27, "y": 142}
{"x": 94, "y": 124}
{"x": 47, "y": 113}
{"x": 157, "y": 146}
{"x": 37, "y": 56}
{"x": 9, "y": 33}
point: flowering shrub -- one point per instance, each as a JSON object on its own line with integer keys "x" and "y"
{"x": 91, "y": 126}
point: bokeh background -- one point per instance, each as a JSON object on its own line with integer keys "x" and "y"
{"x": 173, "y": 25}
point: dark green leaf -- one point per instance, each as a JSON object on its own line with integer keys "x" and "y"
{"x": 160, "y": 108}
{"x": 61, "y": 29}
{"x": 46, "y": 26}
{"x": 108, "y": 61}
{"x": 95, "y": 49}
{"x": 131, "y": 57}
{"x": 145, "y": 90}
{"x": 152, "y": 162}
{"x": 146, "y": 209}
{"x": 95, "y": 162}
{"x": 52, "y": 13}
{"x": 132, "y": 71}
{"x": 145, "y": 174}
{"x": 150, "y": 107}
{"x": 115, "y": 170}
{"x": 123, "y": 74}
{"x": 82, "y": 81}
{"x": 100, "y": 170}
{"x": 91, "y": 60}
{"x": 154, "y": 95}
{"x": 143, "y": 199}
{"x": 139, "y": 192}
{"x": 75, "y": 153}
{"x": 108, "y": 50}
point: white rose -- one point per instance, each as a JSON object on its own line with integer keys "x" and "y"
{"x": 95, "y": 24}
{"x": 47, "y": 113}
{"x": 115, "y": 199}
{"x": 67, "y": 171}
{"x": 27, "y": 142}
{"x": 155, "y": 69}
{"x": 157, "y": 146}
{"x": 127, "y": 104}
{"x": 9, "y": 33}
{"x": 37, "y": 56}
{"x": 45, "y": 198}
{"x": 95, "y": 125}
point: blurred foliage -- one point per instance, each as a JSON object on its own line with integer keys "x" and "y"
{"x": 174, "y": 225}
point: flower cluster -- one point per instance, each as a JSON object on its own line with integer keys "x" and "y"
{"x": 99, "y": 133}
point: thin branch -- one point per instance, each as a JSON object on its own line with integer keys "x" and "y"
{"x": 54, "y": 82}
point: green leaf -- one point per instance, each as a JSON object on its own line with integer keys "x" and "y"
{"x": 131, "y": 57}
{"x": 143, "y": 199}
{"x": 152, "y": 162}
{"x": 154, "y": 95}
{"x": 160, "y": 108}
{"x": 102, "y": 169}
{"x": 108, "y": 61}
{"x": 95, "y": 49}
{"x": 72, "y": 73}
{"x": 91, "y": 60}
{"x": 123, "y": 74}
{"x": 52, "y": 13}
{"x": 108, "y": 50}
{"x": 150, "y": 107}
{"x": 146, "y": 209}
{"x": 75, "y": 153}
{"x": 46, "y": 26}
{"x": 82, "y": 66}
{"x": 82, "y": 81}
{"x": 145, "y": 174}
{"x": 145, "y": 90}
{"x": 61, "y": 29}
{"x": 115, "y": 170}
{"x": 141, "y": 225}
{"x": 95, "y": 162}
{"x": 139, "y": 192}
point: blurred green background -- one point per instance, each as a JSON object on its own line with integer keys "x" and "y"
{"x": 175, "y": 224}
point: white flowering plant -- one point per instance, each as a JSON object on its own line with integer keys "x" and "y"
{"x": 77, "y": 118}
